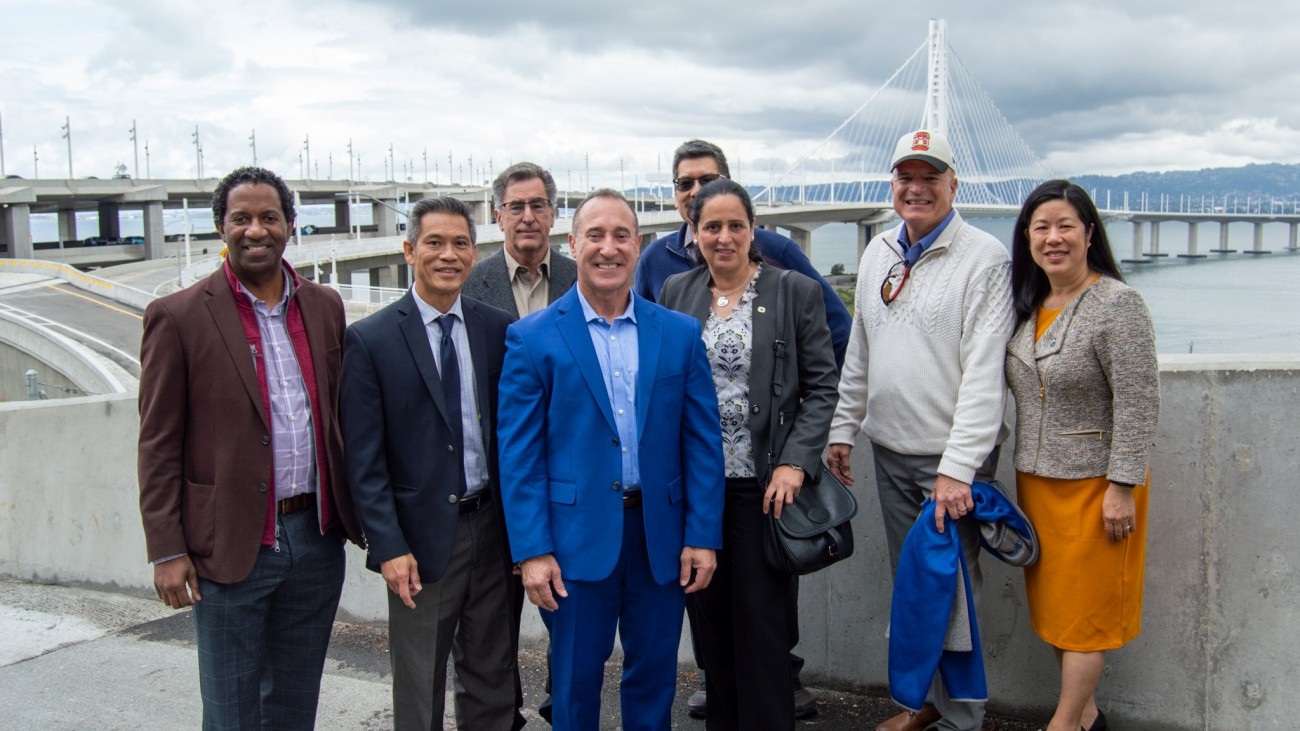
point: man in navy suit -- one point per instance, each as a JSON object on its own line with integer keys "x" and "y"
{"x": 609, "y": 433}
{"x": 417, "y": 402}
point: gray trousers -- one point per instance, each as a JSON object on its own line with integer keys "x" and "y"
{"x": 903, "y": 482}
{"x": 466, "y": 613}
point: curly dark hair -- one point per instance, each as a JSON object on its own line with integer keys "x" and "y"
{"x": 252, "y": 176}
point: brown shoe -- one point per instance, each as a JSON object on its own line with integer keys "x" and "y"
{"x": 911, "y": 721}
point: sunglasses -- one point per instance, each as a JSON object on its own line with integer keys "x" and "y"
{"x": 685, "y": 184}
{"x": 894, "y": 281}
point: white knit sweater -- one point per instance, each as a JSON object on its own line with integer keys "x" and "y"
{"x": 924, "y": 374}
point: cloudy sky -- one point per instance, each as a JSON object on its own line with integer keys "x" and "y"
{"x": 1092, "y": 87}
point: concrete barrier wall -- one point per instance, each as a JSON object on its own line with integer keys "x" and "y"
{"x": 116, "y": 291}
{"x": 58, "y": 361}
{"x": 1218, "y": 650}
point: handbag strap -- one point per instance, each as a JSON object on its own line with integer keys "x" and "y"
{"x": 778, "y": 374}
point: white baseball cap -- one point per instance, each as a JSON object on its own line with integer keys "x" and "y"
{"x": 930, "y": 147}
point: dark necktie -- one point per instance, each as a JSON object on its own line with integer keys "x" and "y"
{"x": 450, "y": 377}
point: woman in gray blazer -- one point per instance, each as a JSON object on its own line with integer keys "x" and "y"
{"x": 1082, "y": 366}
{"x": 741, "y": 616}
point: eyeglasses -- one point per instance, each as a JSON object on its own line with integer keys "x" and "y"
{"x": 894, "y": 281}
{"x": 685, "y": 184}
{"x": 538, "y": 206}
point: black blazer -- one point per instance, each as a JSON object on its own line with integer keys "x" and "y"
{"x": 403, "y": 467}
{"x": 490, "y": 282}
{"x": 811, "y": 379}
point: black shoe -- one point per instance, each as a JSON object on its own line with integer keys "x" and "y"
{"x": 1099, "y": 724}
{"x": 698, "y": 705}
{"x": 805, "y": 703}
{"x": 544, "y": 710}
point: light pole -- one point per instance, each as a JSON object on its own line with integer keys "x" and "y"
{"x": 2, "y": 146}
{"x": 135, "y": 143}
{"x": 426, "y": 164}
{"x": 198, "y": 154}
{"x": 306, "y": 145}
{"x": 146, "y": 161}
{"x": 392, "y": 164}
{"x": 67, "y": 135}
{"x": 36, "y": 164}
{"x": 352, "y": 175}
{"x": 252, "y": 143}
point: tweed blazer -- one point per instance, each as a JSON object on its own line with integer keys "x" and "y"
{"x": 809, "y": 371}
{"x": 489, "y": 282}
{"x": 1088, "y": 392}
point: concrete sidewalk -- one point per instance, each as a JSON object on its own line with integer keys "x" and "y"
{"x": 75, "y": 658}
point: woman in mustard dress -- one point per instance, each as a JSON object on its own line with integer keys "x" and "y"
{"x": 1082, "y": 366}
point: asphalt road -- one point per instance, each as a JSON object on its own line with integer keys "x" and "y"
{"x": 75, "y": 658}
{"x": 106, "y": 327}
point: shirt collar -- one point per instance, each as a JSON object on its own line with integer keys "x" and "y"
{"x": 512, "y": 266}
{"x": 429, "y": 313}
{"x": 927, "y": 239}
{"x": 589, "y": 313}
{"x": 290, "y": 286}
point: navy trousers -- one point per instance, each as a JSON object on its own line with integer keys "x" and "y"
{"x": 262, "y": 640}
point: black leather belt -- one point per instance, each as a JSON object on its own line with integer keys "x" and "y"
{"x": 301, "y": 501}
{"x": 475, "y": 501}
{"x": 631, "y": 500}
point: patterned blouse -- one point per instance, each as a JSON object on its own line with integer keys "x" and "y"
{"x": 729, "y": 344}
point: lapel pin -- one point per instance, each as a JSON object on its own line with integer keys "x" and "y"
{"x": 762, "y": 309}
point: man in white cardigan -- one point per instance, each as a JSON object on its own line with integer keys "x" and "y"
{"x": 922, "y": 378}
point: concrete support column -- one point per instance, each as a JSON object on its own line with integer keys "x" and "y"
{"x": 385, "y": 219}
{"x": 67, "y": 224}
{"x": 153, "y": 231}
{"x": 482, "y": 212}
{"x": 109, "y": 225}
{"x": 385, "y": 276}
{"x": 1295, "y": 228}
{"x": 866, "y": 232}
{"x": 1191, "y": 243}
{"x": 16, "y": 230}
{"x": 1223, "y": 240}
{"x": 1258, "y": 247}
{"x": 1137, "y": 258}
{"x": 342, "y": 214}
{"x": 647, "y": 239}
{"x": 1155, "y": 240}
{"x": 804, "y": 239}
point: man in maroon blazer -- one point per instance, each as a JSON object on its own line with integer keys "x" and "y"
{"x": 243, "y": 489}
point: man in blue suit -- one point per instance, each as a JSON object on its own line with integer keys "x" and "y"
{"x": 609, "y": 435}
{"x": 419, "y": 387}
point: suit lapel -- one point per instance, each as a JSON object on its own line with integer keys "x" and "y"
{"x": 225, "y": 315}
{"x": 649, "y": 332}
{"x": 309, "y": 310}
{"x": 417, "y": 340}
{"x": 763, "y": 309}
{"x": 573, "y": 328}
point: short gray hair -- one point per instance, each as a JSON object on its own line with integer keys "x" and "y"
{"x": 521, "y": 171}
{"x": 441, "y": 204}
{"x": 691, "y": 149}
{"x": 604, "y": 193}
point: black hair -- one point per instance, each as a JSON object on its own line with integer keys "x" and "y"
{"x": 1029, "y": 285}
{"x": 720, "y": 187}
{"x": 250, "y": 176}
{"x": 440, "y": 204}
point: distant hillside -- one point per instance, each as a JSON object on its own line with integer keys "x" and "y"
{"x": 1271, "y": 180}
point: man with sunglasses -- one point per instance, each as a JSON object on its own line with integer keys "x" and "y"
{"x": 923, "y": 376}
{"x": 525, "y": 276}
{"x": 695, "y": 163}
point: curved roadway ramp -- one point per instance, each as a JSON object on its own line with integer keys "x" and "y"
{"x": 108, "y": 328}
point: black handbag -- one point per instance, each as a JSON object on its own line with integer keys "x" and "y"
{"x": 815, "y": 530}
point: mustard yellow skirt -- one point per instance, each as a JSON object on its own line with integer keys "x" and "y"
{"x": 1085, "y": 592}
